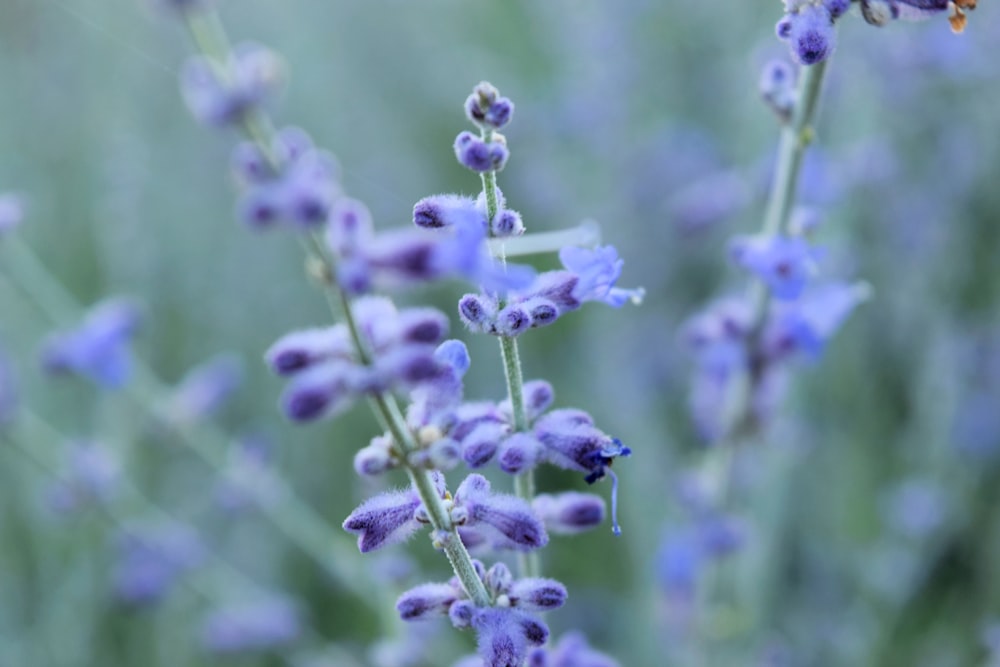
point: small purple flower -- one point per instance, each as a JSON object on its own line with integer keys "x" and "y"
{"x": 504, "y": 635}
{"x": 783, "y": 264}
{"x": 426, "y": 601}
{"x": 388, "y": 518}
{"x": 597, "y": 271}
{"x": 255, "y": 626}
{"x": 487, "y": 109}
{"x": 811, "y": 34}
{"x": 98, "y": 348}
{"x": 475, "y": 154}
{"x": 150, "y": 559}
{"x": 11, "y": 213}
{"x": 439, "y": 211}
{"x": 570, "y": 512}
{"x": 219, "y": 94}
{"x": 299, "y": 350}
{"x": 571, "y": 650}
{"x": 508, "y": 520}
{"x": 205, "y": 388}
{"x": 807, "y": 324}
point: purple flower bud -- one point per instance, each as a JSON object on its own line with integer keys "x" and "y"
{"x": 570, "y": 512}
{"x": 513, "y": 320}
{"x": 812, "y": 35}
{"x": 98, "y": 348}
{"x": 486, "y": 109}
{"x": 249, "y": 164}
{"x": 504, "y": 634}
{"x": 299, "y": 350}
{"x": 11, "y": 212}
{"x": 777, "y": 87}
{"x": 257, "y": 626}
{"x": 477, "y": 312}
{"x": 376, "y": 458}
{"x": 423, "y": 325}
{"x": 783, "y": 29}
{"x": 721, "y": 535}
{"x": 542, "y": 311}
{"x": 460, "y": 613}
{"x": 783, "y": 264}
{"x": 309, "y": 189}
{"x": 837, "y": 8}
{"x": 439, "y": 211}
{"x": 472, "y": 152}
{"x": 260, "y": 206}
{"x": 506, "y": 223}
{"x": 510, "y": 516}
{"x": 499, "y": 113}
{"x": 520, "y": 452}
{"x": 385, "y": 519}
{"x": 499, "y": 579}
{"x": 318, "y": 392}
{"x": 426, "y": 601}
{"x": 349, "y": 227}
{"x": 205, "y": 388}
{"x": 498, "y": 153}
{"x": 291, "y": 143}
{"x": 251, "y": 74}
{"x": 538, "y": 594}
{"x": 480, "y": 445}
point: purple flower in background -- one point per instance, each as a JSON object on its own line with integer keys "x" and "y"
{"x": 254, "y": 626}
{"x": 150, "y": 559}
{"x": 11, "y": 212}
{"x": 505, "y": 631}
{"x": 572, "y": 650}
{"x": 205, "y": 388}
{"x": 807, "y": 324}
{"x": 783, "y": 264}
{"x": 91, "y": 476}
{"x": 597, "y": 270}
{"x": 98, "y": 348}
{"x": 222, "y": 93}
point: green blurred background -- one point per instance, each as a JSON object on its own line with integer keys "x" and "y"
{"x": 623, "y": 111}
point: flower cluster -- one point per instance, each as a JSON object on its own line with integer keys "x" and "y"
{"x": 808, "y": 24}
{"x": 506, "y": 629}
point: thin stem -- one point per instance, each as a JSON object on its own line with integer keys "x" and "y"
{"x": 524, "y": 483}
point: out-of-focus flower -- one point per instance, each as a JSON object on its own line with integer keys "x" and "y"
{"x": 98, "y": 348}
{"x": 252, "y": 626}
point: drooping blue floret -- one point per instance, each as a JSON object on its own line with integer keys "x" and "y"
{"x": 98, "y": 349}
{"x": 782, "y": 263}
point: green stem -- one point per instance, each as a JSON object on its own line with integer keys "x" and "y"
{"x": 524, "y": 483}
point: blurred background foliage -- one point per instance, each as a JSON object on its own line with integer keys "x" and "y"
{"x": 643, "y": 116}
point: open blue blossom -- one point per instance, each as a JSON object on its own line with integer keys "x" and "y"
{"x": 807, "y": 324}
{"x": 597, "y": 270}
{"x": 784, "y": 264}
{"x": 98, "y": 348}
